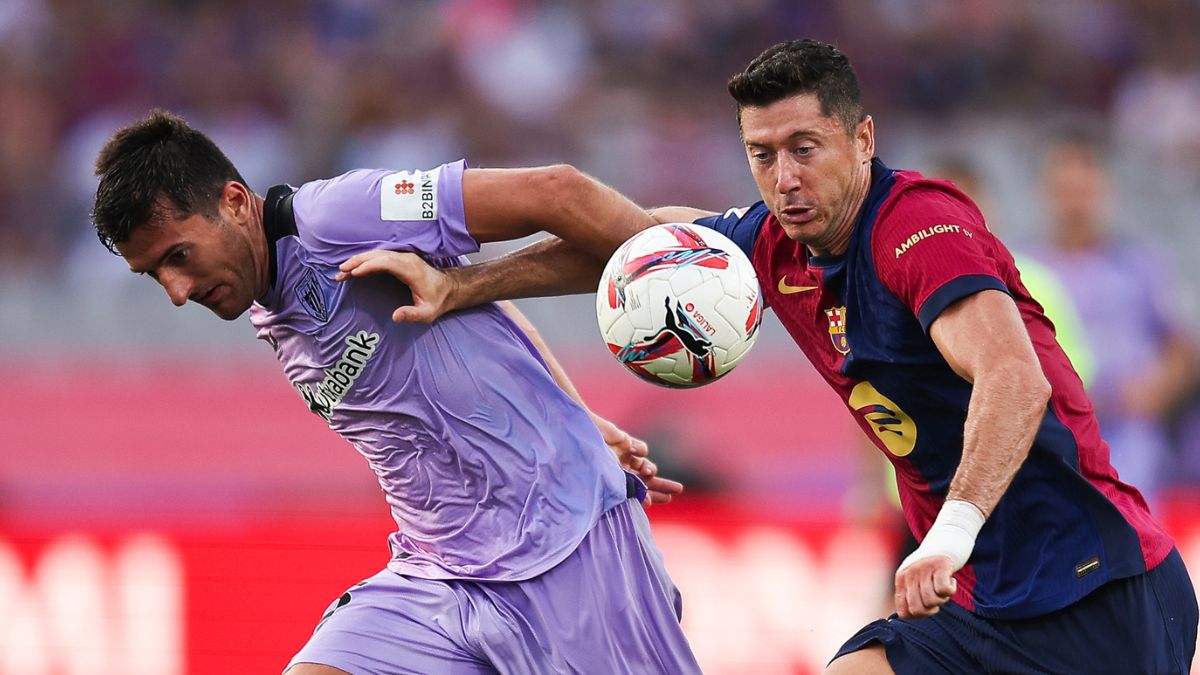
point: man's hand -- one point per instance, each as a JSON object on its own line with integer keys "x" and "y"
{"x": 925, "y": 579}
{"x": 632, "y": 454}
{"x": 431, "y": 288}
{"x": 924, "y": 585}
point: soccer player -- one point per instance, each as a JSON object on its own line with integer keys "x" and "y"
{"x": 1127, "y": 299}
{"x": 521, "y": 546}
{"x": 1034, "y": 556}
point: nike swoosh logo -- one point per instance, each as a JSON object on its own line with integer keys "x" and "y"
{"x": 788, "y": 290}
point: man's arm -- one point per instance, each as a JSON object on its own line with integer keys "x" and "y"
{"x": 1164, "y": 382}
{"x": 568, "y": 262}
{"x": 983, "y": 338}
{"x": 588, "y": 221}
{"x": 631, "y": 452}
{"x": 678, "y": 214}
{"x": 505, "y": 204}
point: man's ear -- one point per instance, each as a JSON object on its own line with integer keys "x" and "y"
{"x": 864, "y": 139}
{"x": 236, "y": 201}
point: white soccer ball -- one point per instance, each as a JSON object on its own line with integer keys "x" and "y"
{"x": 679, "y": 305}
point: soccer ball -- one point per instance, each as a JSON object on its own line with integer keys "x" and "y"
{"x": 679, "y": 305}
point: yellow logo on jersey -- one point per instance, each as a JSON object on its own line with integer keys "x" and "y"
{"x": 788, "y": 289}
{"x": 892, "y": 425}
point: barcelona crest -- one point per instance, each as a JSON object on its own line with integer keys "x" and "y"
{"x": 837, "y": 329}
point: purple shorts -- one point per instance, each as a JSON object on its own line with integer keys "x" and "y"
{"x": 609, "y": 607}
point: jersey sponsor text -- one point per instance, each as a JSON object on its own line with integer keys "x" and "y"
{"x": 928, "y": 232}
{"x": 409, "y": 196}
{"x": 329, "y": 392}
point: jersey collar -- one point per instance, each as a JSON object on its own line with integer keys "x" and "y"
{"x": 279, "y": 221}
{"x": 882, "y": 179}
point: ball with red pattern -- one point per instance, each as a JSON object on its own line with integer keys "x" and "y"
{"x": 679, "y": 305}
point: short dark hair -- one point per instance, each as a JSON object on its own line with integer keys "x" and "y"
{"x": 801, "y": 67}
{"x": 154, "y": 168}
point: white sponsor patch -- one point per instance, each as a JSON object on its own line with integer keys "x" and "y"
{"x": 409, "y": 195}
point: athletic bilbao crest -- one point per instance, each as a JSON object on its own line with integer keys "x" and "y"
{"x": 312, "y": 296}
{"x": 837, "y": 329}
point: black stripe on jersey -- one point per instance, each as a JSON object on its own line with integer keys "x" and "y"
{"x": 954, "y": 290}
{"x": 278, "y": 220}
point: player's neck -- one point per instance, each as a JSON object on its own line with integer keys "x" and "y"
{"x": 851, "y": 207}
{"x": 258, "y": 243}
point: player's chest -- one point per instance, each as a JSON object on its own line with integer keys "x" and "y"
{"x": 844, "y": 319}
{"x": 330, "y": 344}
{"x": 811, "y": 304}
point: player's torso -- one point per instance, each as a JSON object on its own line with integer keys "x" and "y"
{"x": 871, "y": 349}
{"x": 1113, "y": 288}
{"x": 490, "y": 471}
{"x": 1065, "y": 516}
{"x": 334, "y": 340}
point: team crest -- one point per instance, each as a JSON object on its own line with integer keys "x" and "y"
{"x": 312, "y": 296}
{"x": 837, "y": 329}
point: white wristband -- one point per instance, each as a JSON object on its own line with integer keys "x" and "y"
{"x": 952, "y": 535}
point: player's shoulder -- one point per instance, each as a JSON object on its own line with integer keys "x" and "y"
{"x": 741, "y": 224}
{"x": 917, "y": 206}
{"x": 920, "y": 198}
{"x": 1140, "y": 252}
{"x": 321, "y": 204}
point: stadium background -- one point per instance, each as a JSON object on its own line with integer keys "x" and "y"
{"x": 166, "y": 504}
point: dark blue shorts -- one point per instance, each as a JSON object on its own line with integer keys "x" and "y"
{"x": 1143, "y": 624}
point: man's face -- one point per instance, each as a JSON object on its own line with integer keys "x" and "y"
{"x": 809, "y": 170}
{"x": 210, "y": 262}
{"x": 1075, "y": 184}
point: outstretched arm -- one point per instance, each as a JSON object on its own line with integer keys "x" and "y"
{"x": 568, "y": 263}
{"x": 678, "y": 214}
{"x": 983, "y": 338}
{"x": 588, "y": 221}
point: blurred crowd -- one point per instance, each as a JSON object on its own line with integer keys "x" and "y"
{"x": 631, "y": 91}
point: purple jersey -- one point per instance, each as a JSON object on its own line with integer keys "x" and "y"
{"x": 1124, "y": 295}
{"x": 491, "y": 471}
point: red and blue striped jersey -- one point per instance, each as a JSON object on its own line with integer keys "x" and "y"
{"x": 1067, "y": 524}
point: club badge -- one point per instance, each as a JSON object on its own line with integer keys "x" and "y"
{"x": 837, "y": 329}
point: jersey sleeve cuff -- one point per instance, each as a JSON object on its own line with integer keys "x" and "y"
{"x": 954, "y": 290}
{"x": 457, "y": 238}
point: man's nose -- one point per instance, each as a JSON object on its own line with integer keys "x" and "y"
{"x": 789, "y": 174}
{"x": 178, "y": 287}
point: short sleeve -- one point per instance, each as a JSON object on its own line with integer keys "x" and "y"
{"x": 417, "y": 211}
{"x": 932, "y": 248}
{"x": 741, "y": 225}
